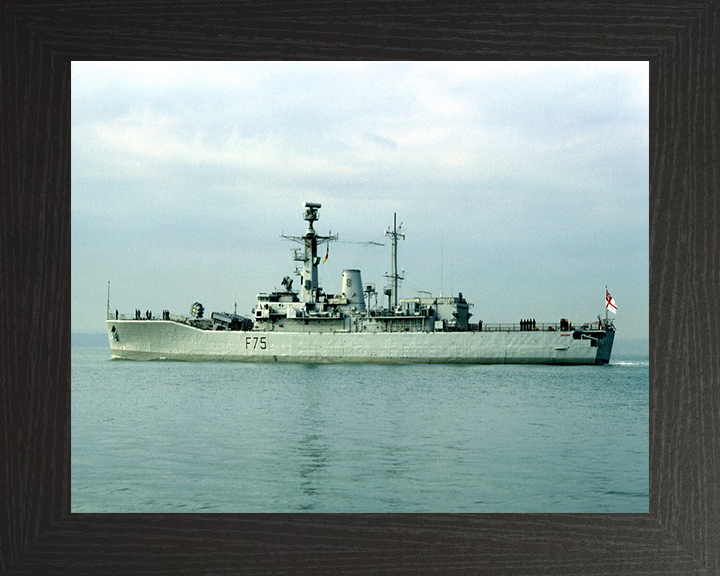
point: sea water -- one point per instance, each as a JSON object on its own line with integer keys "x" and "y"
{"x": 167, "y": 436}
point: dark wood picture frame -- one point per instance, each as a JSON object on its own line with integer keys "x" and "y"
{"x": 38, "y": 534}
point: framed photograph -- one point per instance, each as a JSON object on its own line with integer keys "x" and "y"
{"x": 52, "y": 62}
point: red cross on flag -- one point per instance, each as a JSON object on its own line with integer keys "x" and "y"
{"x": 610, "y": 302}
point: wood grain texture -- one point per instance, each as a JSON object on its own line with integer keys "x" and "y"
{"x": 38, "y": 535}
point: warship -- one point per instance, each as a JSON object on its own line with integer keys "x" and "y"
{"x": 309, "y": 325}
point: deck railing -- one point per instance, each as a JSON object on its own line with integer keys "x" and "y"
{"x": 175, "y": 317}
{"x": 516, "y": 327}
{"x": 539, "y": 327}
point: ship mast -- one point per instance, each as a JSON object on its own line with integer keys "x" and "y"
{"x": 394, "y": 277}
{"x": 310, "y": 241}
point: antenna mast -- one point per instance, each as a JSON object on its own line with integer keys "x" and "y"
{"x": 394, "y": 235}
{"x": 310, "y": 241}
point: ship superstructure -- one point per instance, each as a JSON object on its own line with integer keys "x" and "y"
{"x": 311, "y": 325}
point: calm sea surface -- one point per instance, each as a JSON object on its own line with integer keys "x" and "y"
{"x": 230, "y": 437}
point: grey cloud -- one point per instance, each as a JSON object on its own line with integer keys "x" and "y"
{"x": 514, "y": 174}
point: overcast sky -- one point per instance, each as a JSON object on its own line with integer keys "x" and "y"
{"x": 522, "y": 185}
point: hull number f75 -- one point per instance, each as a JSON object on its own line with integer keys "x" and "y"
{"x": 253, "y": 342}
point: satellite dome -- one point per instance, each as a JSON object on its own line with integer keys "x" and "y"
{"x": 197, "y": 310}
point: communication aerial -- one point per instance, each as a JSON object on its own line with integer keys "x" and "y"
{"x": 394, "y": 234}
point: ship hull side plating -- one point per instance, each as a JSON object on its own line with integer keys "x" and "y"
{"x": 153, "y": 340}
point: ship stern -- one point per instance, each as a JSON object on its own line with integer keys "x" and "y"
{"x": 605, "y": 347}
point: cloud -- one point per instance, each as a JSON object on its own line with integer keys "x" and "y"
{"x": 515, "y": 168}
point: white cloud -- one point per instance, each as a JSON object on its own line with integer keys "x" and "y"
{"x": 512, "y": 164}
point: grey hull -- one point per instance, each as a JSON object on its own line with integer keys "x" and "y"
{"x": 158, "y": 339}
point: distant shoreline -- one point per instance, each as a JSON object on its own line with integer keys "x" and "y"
{"x": 89, "y": 340}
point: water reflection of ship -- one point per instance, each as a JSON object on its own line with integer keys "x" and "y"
{"x": 313, "y": 454}
{"x": 312, "y": 450}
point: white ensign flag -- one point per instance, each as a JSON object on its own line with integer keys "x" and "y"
{"x": 610, "y": 302}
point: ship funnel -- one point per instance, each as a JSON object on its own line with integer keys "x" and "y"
{"x": 352, "y": 289}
